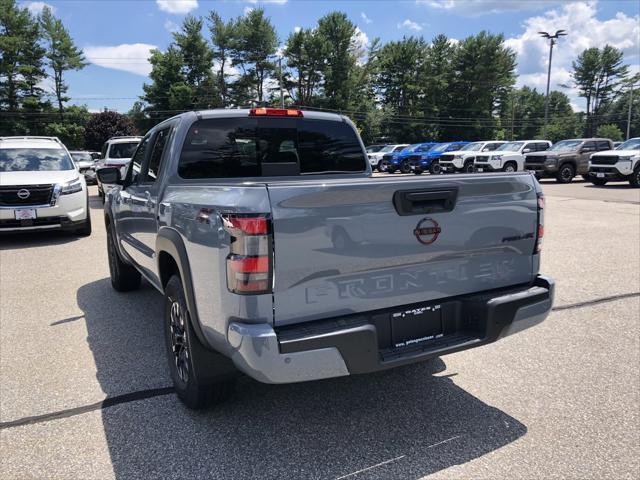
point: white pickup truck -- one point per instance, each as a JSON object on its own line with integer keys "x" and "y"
{"x": 463, "y": 160}
{"x": 509, "y": 157}
{"x": 620, "y": 164}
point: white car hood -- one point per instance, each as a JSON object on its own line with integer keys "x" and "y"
{"x": 619, "y": 153}
{"x": 37, "y": 178}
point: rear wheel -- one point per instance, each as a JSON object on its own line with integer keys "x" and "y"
{"x": 405, "y": 167}
{"x": 510, "y": 167}
{"x": 634, "y": 180}
{"x": 124, "y": 277}
{"x": 383, "y": 166}
{"x": 189, "y": 361}
{"x": 565, "y": 173}
{"x": 435, "y": 168}
{"x": 598, "y": 181}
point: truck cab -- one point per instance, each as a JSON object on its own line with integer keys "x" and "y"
{"x": 462, "y": 160}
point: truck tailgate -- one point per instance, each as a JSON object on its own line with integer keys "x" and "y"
{"x": 345, "y": 247}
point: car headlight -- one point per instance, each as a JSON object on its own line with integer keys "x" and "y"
{"x": 74, "y": 186}
{"x": 625, "y": 159}
{"x": 496, "y": 157}
{"x": 551, "y": 161}
{"x": 457, "y": 157}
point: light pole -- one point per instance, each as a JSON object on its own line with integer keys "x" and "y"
{"x": 552, "y": 41}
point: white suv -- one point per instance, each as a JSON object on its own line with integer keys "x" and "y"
{"x": 40, "y": 187}
{"x": 510, "y": 156}
{"x": 617, "y": 165}
{"x": 116, "y": 152}
{"x": 462, "y": 160}
{"x": 375, "y": 157}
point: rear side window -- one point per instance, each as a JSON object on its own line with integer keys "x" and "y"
{"x": 491, "y": 147}
{"x": 603, "y": 145}
{"x": 155, "y": 158}
{"x": 253, "y": 147}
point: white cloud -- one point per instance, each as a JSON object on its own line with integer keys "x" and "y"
{"x": 365, "y": 18}
{"x": 276, "y": 2}
{"x": 483, "y": 7}
{"x": 411, "y": 25}
{"x": 177, "y": 6}
{"x": 131, "y": 58}
{"x": 584, "y": 29}
{"x": 171, "y": 26}
{"x": 247, "y": 10}
{"x": 37, "y": 7}
{"x": 297, "y": 29}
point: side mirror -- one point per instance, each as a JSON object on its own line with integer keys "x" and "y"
{"x": 109, "y": 176}
{"x": 526, "y": 150}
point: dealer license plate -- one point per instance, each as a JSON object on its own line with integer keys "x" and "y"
{"x": 600, "y": 175}
{"x": 25, "y": 214}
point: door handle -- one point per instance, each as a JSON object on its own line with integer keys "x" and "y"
{"x": 423, "y": 201}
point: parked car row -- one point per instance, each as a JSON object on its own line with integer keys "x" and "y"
{"x": 597, "y": 160}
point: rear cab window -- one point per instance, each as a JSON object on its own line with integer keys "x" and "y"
{"x": 254, "y": 147}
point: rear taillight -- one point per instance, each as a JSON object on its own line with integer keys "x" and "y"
{"x": 250, "y": 262}
{"x": 540, "y": 229}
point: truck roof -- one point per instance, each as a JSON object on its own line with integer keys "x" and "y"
{"x": 244, "y": 112}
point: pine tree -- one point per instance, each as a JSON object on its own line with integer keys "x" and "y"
{"x": 62, "y": 54}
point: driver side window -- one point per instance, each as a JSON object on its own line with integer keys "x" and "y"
{"x": 135, "y": 165}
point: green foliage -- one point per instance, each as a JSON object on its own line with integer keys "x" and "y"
{"x": 223, "y": 36}
{"x": 71, "y": 134}
{"x": 253, "y": 49}
{"x": 104, "y": 125}
{"x": 611, "y": 131}
{"x": 305, "y": 52}
{"x": 561, "y": 128}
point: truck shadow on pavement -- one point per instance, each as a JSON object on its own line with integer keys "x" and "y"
{"x": 400, "y": 423}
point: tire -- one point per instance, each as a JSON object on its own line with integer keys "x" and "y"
{"x": 435, "y": 168}
{"x": 405, "y": 167}
{"x": 124, "y": 277}
{"x": 565, "y": 174}
{"x": 598, "y": 181}
{"x": 85, "y": 229}
{"x": 634, "y": 180}
{"x": 188, "y": 359}
{"x": 383, "y": 166}
{"x": 341, "y": 240}
{"x": 469, "y": 167}
{"x": 510, "y": 167}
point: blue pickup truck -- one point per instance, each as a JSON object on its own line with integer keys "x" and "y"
{"x": 394, "y": 161}
{"x": 430, "y": 160}
{"x": 279, "y": 256}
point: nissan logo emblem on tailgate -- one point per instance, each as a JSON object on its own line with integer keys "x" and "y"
{"x": 427, "y": 231}
{"x": 23, "y": 194}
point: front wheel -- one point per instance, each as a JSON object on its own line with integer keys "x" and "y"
{"x": 85, "y": 229}
{"x": 510, "y": 168}
{"x": 189, "y": 362}
{"x": 383, "y": 166}
{"x": 124, "y": 277}
{"x": 435, "y": 168}
{"x": 405, "y": 167}
{"x": 566, "y": 173}
{"x": 469, "y": 167}
{"x": 634, "y": 180}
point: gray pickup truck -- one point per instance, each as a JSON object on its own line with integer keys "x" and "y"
{"x": 566, "y": 159}
{"x": 279, "y": 256}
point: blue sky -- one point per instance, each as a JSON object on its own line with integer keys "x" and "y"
{"x": 116, "y": 35}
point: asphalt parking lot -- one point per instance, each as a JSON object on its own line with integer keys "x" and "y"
{"x": 559, "y": 400}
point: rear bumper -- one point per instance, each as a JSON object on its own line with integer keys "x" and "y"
{"x": 358, "y": 344}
